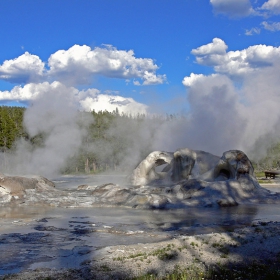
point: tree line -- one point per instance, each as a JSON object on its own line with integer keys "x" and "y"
{"x": 111, "y": 141}
{"x": 11, "y": 126}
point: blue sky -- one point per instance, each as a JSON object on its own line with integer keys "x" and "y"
{"x": 139, "y": 56}
{"x": 216, "y": 61}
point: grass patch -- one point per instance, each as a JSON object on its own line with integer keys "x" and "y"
{"x": 137, "y": 255}
{"x": 166, "y": 253}
{"x": 265, "y": 181}
{"x": 105, "y": 268}
{"x": 249, "y": 272}
{"x": 260, "y": 174}
{"x": 261, "y": 180}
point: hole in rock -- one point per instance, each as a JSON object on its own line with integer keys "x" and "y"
{"x": 162, "y": 168}
{"x": 224, "y": 173}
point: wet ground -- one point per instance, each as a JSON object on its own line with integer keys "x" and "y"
{"x": 33, "y": 237}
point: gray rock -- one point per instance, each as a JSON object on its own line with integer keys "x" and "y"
{"x": 16, "y": 186}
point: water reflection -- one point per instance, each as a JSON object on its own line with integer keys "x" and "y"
{"x": 122, "y": 220}
{"x": 72, "y": 182}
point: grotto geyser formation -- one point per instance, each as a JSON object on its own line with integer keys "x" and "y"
{"x": 188, "y": 179}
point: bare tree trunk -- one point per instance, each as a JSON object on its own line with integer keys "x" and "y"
{"x": 93, "y": 166}
{"x": 87, "y": 169}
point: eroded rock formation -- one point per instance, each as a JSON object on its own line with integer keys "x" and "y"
{"x": 181, "y": 165}
{"x": 191, "y": 178}
{"x": 187, "y": 164}
{"x": 145, "y": 172}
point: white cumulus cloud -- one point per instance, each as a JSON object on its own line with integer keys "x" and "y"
{"x": 28, "y": 92}
{"x": 90, "y": 99}
{"x": 217, "y": 46}
{"x": 105, "y": 102}
{"x": 189, "y": 81}
{"x": 23, "y": 69}
{"x": 212, "y": 53}
{"x": 79, "y": 64}
{"x": 236, "y": 63}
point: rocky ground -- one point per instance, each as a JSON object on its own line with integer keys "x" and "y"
{"x": 257, "y": 243}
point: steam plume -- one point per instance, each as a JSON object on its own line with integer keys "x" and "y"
{"x": 53, "y": 114}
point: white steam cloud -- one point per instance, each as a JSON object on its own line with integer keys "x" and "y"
{"x": 55, "y": 112}
{"x": 238, "y": 107}
{"x": 213, "y": 123}
{"x": 55, "y": 116}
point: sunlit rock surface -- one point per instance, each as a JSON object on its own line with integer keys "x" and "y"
{"x": 17, "y": 188}
{"x": 188, "y": 179}
{"x": 146, "y": 173}
{"x": 189, "y": 164}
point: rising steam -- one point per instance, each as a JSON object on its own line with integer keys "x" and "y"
{"x": 53, "y": 114}
{"x": 222, "y": 117}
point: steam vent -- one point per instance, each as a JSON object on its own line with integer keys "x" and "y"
{"x": 163, "y": 180}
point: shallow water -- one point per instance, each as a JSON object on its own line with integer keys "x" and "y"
{"x": 72, "y": 182}
{"x": 34, "y": 237}
{"x": 184, "y": 220}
